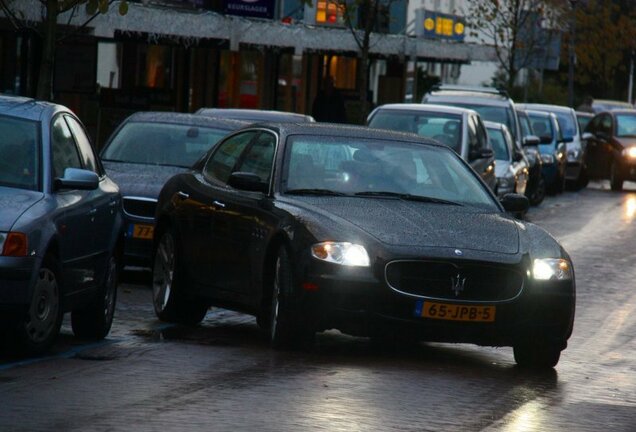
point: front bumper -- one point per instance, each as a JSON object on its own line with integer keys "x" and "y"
{"x": 17, "y": 278}
{"x": 363, "y": 305}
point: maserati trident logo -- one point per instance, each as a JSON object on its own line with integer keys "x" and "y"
{"x": 457, "y": 284}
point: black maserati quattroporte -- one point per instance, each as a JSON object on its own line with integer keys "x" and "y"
{"x": 315, "y": 226}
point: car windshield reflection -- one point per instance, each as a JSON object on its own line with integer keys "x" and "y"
{"x": 154, "y": 143}
{"x": 320, "y": 165}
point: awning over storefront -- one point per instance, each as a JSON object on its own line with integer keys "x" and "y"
{"x": 188, "y": 27}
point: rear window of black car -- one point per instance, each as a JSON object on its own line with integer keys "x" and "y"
{"x": 161, "y": 143}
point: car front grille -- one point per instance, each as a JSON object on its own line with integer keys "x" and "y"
{"x": 455, "y": 280}
{"x": 140, "y": 207}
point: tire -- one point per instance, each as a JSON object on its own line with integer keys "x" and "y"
{"x": 537, "y": 194}
{"x": 286, "y": 330}
{"x": 616, "y": 182}
{"x": 170, "y": 301}
{"x": 38, "y": 329}
{"x": 95, "y": 320}
{"x": 537, "y": 353}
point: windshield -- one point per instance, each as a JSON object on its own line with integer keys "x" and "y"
{"x": 542, "y": 126}
{"x": 496, "y": 114}
{"x": 567, "y": 123}
{"x": 498, "y": 142}
{"x": 19, "y": 166}
{"x": 333, "y": 165}
{"x": 625, "y": 125}
{"x": 161, "y": 143}
{"x": 583, "y": 121}
{"x": 445, "y": 128}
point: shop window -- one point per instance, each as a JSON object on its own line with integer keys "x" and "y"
{"x": 154, "y": 67}
{"x": 288, "y": 96}
{"x": 329, "y": 13}
{"x": 109, "y": 64}
{"x": 239, "y": 79}
{"x": 343, "y": 71}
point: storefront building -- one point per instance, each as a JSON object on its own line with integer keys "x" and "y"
{"x": 181, "y": 55}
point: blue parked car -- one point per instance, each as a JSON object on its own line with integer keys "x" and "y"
{"x": 552, "y": 147}
{"x": 60, "y": 226}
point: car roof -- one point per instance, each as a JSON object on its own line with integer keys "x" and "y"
{"x": 27, "y": 108}
{"x": 540, "y": 113}
{"x": 621, "y": 111}
{"x": 447, "y": 109}
{"x": 254, "y": 114}
{"x": 545, "y": 107}
{"x": 494, "y": 125}
{"x": 186, "y": 119}
{"x": 584, "y": 114}
{"x": 343, "y": 130}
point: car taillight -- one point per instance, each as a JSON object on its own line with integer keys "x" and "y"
{"x": 15, "y": 244}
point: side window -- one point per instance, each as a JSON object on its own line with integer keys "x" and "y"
{"x": 260, "y": 157}
{"x": 606, "y": 124}
{"x": 221, "y": 163}
{"x": 482, "y": 135}
{"x": 87, "y": 154}
{"x": 63, "y": 148}
{"x": 473, "y": 139}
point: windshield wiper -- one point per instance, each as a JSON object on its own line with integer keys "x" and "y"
{"x": 315, "y": 192}
{"x": 407, "y": 197}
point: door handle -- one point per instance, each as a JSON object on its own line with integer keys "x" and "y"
{"x": 183, "y": 195}
{"x": 92, "y": 212}
{"x": 218, "y": 204}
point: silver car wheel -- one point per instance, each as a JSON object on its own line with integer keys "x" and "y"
{"x": 163, "y": 273}
{"x": 43, "y": 312}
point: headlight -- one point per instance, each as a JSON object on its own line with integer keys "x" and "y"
{"x": 552, "y": 269}
{"x": 347, "y": 254}
{"x": 547, "y": 158}
{"x": 630, "y": 152}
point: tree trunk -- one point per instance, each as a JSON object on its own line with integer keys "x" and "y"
{"x": 45, "y": 77}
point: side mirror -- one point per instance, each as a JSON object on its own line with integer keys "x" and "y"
{"x": 247, "y": 181}
{"x": 531, "y": 140}
{"x": 545, "y": 139}
{"x": 515, "y": 203}
{"x": 517, "y": 156}
{"x": 75, "y": 178}
{"x": 567, "y": 139}
{"x": 587, "y": 136}
{"x": 483, "y": 153}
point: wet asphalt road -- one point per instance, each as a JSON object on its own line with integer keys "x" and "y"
{"x": 221, "y": 376}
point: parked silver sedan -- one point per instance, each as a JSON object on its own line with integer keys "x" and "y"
{"x": 511, "y": 167}
{"x": 60, "y": 226}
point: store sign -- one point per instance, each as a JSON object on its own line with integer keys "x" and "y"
{"x": 250, "y": 8}
{"x": 439, "y": 25}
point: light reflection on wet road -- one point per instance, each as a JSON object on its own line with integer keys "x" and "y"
{"x": 222, "y": 376}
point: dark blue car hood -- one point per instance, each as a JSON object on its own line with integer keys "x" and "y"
{"x": 139, "y": 179}
{"x": 13, "y": 203}
{"x": 407, "y": 223}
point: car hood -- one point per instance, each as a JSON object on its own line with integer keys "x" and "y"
{"x": 407, "y": 223}
{"x": 140, "y": 180}
{"x": 14, "y": 202}
{"x": 626, "y": 141}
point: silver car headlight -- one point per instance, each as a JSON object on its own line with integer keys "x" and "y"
{"x": 343, "y": 253}
{"x": 552, "y": 269}
{"x": 547, "y": 158}
{"x": 630, "y": 152}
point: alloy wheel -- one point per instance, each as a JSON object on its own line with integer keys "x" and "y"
{"x": 43, "y": 312}
{"x": 163, "y": 273}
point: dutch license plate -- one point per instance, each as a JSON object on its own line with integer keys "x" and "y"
{"x": 455, "y": 312}
{"x": 141, "y": 231}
